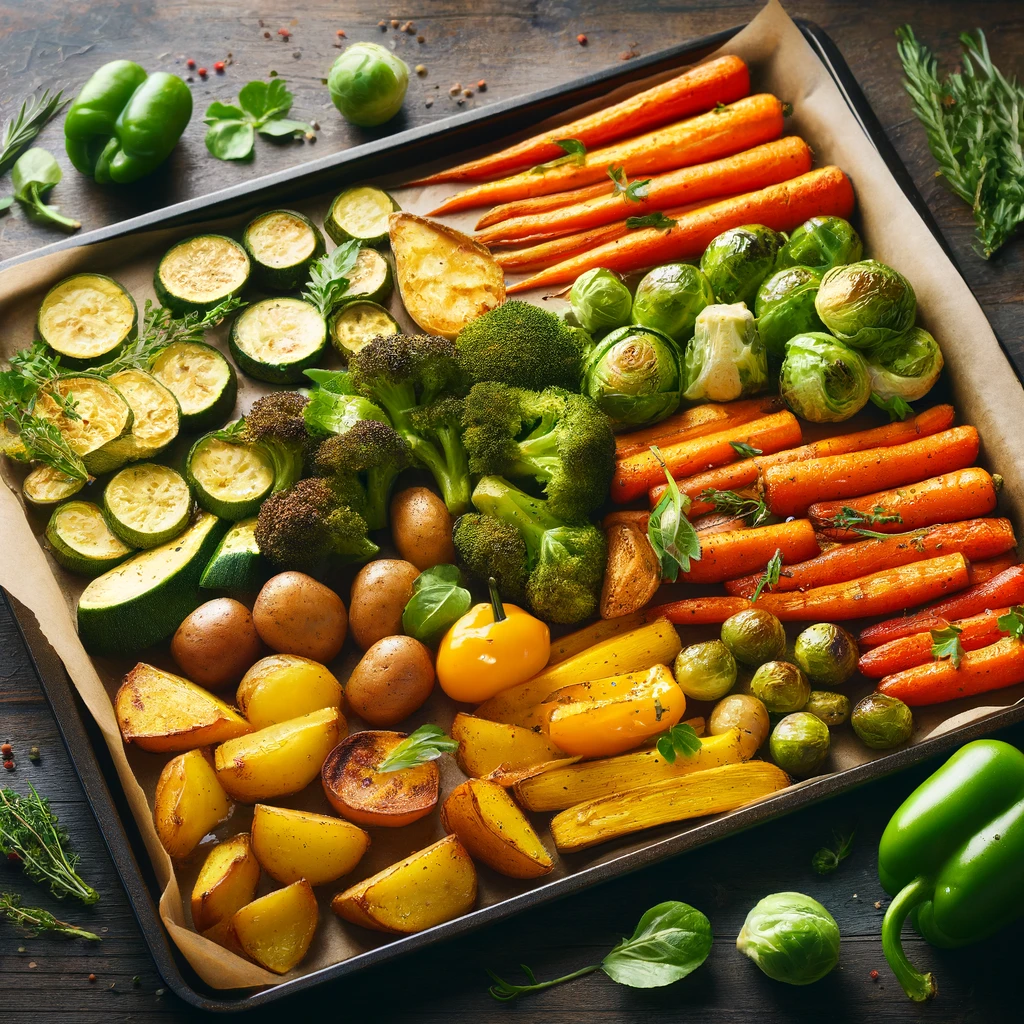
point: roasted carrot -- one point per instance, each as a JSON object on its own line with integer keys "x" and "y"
{"x": 974, "y": 539}
{"x": 826, "y": 191}
{"x": 748, "y": 171}
{"x": 725, "y": 555}
{"x": 722, "y": 80}
{"x": 701, "y": 611}
{"x": 989, "y": 568}
{"x": 747, "y": 122}
{"x": 540, "y": 204}
{"x": 635, "y": 474}
{"x": 789, "y": 490}
{"x": 992, "y": 668}
{"x": 965, "y": 494}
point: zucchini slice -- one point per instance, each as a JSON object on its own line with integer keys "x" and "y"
{"x": 360, "y": 213}
{"x": 156, "y": 412}
{"x": 81, "y": 539}
{"x": 147, "y": 504}
{"x": 371, "y": 278}
{"x": 144, "y": 599}
{"x": 276, "y": 339}
{"x": 201, "y": 379}
{"x": 86, "y": 318}
{"x": 45, "y": 487}
{"x": 199, "y": 273}
{"x": 229, "y": 480}
{"x": 237, "y": 565}
{"x": 281, "y": 245}
{"x": 355, "y": 324}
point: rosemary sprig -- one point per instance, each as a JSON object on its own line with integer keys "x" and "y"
{"x": 770, "y": 577}
{"x": 35, "y": 920}
{"x": 855, "y": 521}
{"x": 30, "y": 120}
{"x": 753, "y": 510}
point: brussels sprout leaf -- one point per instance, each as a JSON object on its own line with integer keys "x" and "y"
{"x": 438, "y": 600}
{"x": 427, "y": 743}
{"x": 1012, "y": 623}
{"x": 826, "y": 860}
{"x": 680, "y": 740}
{"x": 651, "y": 220}
{"x": 632, "y": 192}
{"x": 745, "y": 451}
{"x": 575, "y": 153}
{"x": 671, "y": 534}
{"x": 946, "y": 644}
{"x": 771, "y": 575}
{"x": 896, "y": 407}
{"x": 754, "y": 510}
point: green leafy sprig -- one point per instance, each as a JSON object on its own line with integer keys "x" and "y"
{"x": 753, "y": 510}
{"x": 35, "y": 174}
{"x": 770, "y": 578}
{"x": 35, "y": 921}
{"x": 33, "y": 116}
{"x": 852, "y": 519}
{"x": 427, "y": 743}
{"x": 438, "y": 600}
{"x": 898, "y": 408}
{"x": 262, "y": 107}
{"x": 328, "y": 281}
{"x": 671, "y": 534}
{"x": 631, "y": 191}
{"x": 679, "y": 741}
{"x": 744, "y": 450}
{"x": 651, "y": 220}
{"x": 575, "y": 153}
{"x": 946, "y": 644}
{"x": 826, "y": 860}
{"x": 1012, "y": 623}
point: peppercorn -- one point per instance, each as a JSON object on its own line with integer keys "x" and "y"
{"x": 873, "y": 975}
{"x": 581, "y": 39}
{"x": 382, "y": 25}
{"x": 421, "y": 39}
{"x": 467, "y": 93}
{"x": 190, "y": 63}
{"x": 218, "y": 66}
{"x": 6, "y": 749}
{"x": 203, "y": 72}
{"x": 92, "y": 978}
{"x": 9, "y": 765}
{"x": 266, "y": 35}
{"x": 421, "y": 69}
{"x": 394, "y": 23}
{"x": 481, "y": 86}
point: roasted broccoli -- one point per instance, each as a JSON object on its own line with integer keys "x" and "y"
{"x": 276, "y": 425}
{"x": 491, "y": 547}
{"x": 560, "y": 439}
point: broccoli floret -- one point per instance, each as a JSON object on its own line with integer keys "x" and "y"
{"x": 522, "y": 345}
{"x": 275, "y": 424}
{"x": 313, "y": 526}
{"x": 491, "y": 547}
{"x": 561, "y": 439}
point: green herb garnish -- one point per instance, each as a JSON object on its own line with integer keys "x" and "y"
{"x": 328, "y": 277}
{"x": 632, "y": 192}
{"x": 438, "y": 600}
{"x": 852, "y": 519}
{"x": 575, "y": 153}
{"x": 34, "y": 920}
{"x": 826, "y": 860}
{"x": 744, "y": 450}
{"x": 679, "y": 741}
{"x": 262, "y": 107}
{"x": 30, "y": 120}
{"x": 671, "y": 534}
{"x": 1012, "y": 623}
{"x": 427, "y": 743}
{"x": 651, "y": 220}
{"x": 896, "y": 407}
{"x": 34, "y": 175}
{"x": 753, "y": 510}
{"x": 946, "y": 644}
{"x": 770, "y": 577}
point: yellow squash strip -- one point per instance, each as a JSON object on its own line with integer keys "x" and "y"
{"x": 576, "y": 643}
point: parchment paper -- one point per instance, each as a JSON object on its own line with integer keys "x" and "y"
{"x": 983, "y": 385}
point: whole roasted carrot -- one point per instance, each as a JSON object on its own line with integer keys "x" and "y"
{"x": 992, "y": 668}
{"x": 718, "y": 81}
{"x": 822, "y": 192}
{"x": 990, "y": 568}
{"x": 789, "y": 490}
{"x": 636, "y": 473}
{"x": 748, "y": 171}
{"x": 725, "y": 555}
{"x": 738, "y": 126}
{"x": 540, "y": 204}
{"x": 701, "y": 611}
{"x": 974, "y": 539}
{"x": 965, "y": 494}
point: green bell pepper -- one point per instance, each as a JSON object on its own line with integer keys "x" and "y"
{"x": 953, "y": 856}
{"x": 124, "y": 123}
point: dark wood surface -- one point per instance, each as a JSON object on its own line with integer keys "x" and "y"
{"x": 516, "y": 47}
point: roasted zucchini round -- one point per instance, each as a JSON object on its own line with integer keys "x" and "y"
{"x": 199, "y": 273}
{"x": 371, "y": 278}
{"x": 86, "y": 318}
{"x": 229, "y": 480}
{"x": 147, "y": 504}
{"x": 201, "y": 379}
{"x": 360, "y": 213}
{"x": 276, "y": 339}
{"x": 45, "y": 487}
{"x": 356, "y": 323}
{"x": 281, "y": 245}
{"x": 81, "y": 539}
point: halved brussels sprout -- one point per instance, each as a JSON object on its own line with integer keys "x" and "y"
{"x": 800, "y": 743}
{"x": 827, "y": 653}
{"x": 832, "y": 708}
{"x": 821, "y": 243}
{"x": 781, "y": 687}
{"x": 669, "y": 299}
{"x": 600, "y": 300}
{"x": 791, "y": 937}
{"x": 882, "y": 722}
{"x": 705, "y": 671}
{"x": 725, "y": 358}
{"x": 907, "y": 366}
{"x": 754, "y": 636}
{"x": 785, "y": 308}
{"x": 738, "y": 260}
{"x": 823, "y": 380}
{"x": 866, "y": 303}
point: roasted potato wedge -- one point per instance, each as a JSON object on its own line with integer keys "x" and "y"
{"x": 493, "y": 829}
{"x": 276, "y": 929}
{"x": 446, "y": 279}
{"x": 188, "y": 802}
{"x": 162, "y": 712}
{"x": 485, "y": 746}
{"x": 279, "y": 759}
{"x": 224, "y": 935}
{"x": 632, "y": 574}
{"x": 357, "y": 791}
{"x": 299, "y": 844}
{"x": 227, "y": 881}
{"x": 284, "y": 686}
{"x": 427, "y": 888}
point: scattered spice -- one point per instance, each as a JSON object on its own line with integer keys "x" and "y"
{"x": 421, "y": 39}
{"x": 481, "y": 85}
{"x": 92, "y": 978}
{"x": 429, "y": 101}
{"x": 6, "y": 749}
{"x": 266, "y": 35}
{"x": 460, "y": 101}
{"x": 394, "y": 23}
{"x": 159, "y": 992}
{"x": 315, "y": 125}
{"x": 421, "y": 69}
{"x": 296, "y": 54}
{"x": 873, "y": 975}
{"x": 309, "y": 137}
{"x": 9, "y": 765}
{"x": 581, "y": 39}
{"x": 218, "y": 66}
{"x": 284, "y": 34}
{"x": 455, "y": 89}
{"x": 190, "y": 63}
{"x": 382, "y": 25}
{"x": 467, "y": 93}
{"x": 340, "y": 33}
{"x": 203, "y": 72}
{"x": 34, "y": 755}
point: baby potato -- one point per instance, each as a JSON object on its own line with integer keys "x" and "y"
{"x": 189, "y": 801}
{"x": 380, "y": 592}
{"x": 299, "y": 844}
{"x": 392, "y": 680}
{"x": 276, "y": 929}
{"x": 227, "y": 881}
{"x": 421, "y": 527}
{"x": 216, "y": 643}
{"x": 284, "y": 686}
{"x": 296, "y": 614}
{"x": 744, "y": 712}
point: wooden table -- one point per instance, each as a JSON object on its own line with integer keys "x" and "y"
{"x": 515, "y": 48}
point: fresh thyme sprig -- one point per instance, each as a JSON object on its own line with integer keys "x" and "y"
{"x": 753, "y": 510}
{"x": 35, "y": 920}
{"x": 770, "y": 577}
{"x": 855, "y": 521}
{"x": 23, "y": 128}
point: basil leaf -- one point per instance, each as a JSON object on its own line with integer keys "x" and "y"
{"x": 671, "y": 534}
{"x": 427, "y": 743}
{"x": 218, "y": 111}
{"x": 438, "y": 600}
{"x": 230, "y": 140}
{"x": 283, "y": 126}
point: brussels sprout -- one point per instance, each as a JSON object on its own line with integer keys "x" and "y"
{"x": 725, "y": 358}
{"x": 785, "y": 308}
{"x": 600, "y": 300}
{"x": 822, "y": 380}
{"x": 669, "y": 299}
{"x": 367, "y": 84}
{"x": 738, "y": 260}
{"x": 882, "y": 722}
{"x": 754, "y": 636}
{"x": 633, "y": 375}
{"x": 821, "y": 243}
{"x": 705, "y": 671}
{"x": 800, "y": 743}
{"x": 907, "y": 366}
{"x": 827, "y": 653}
{"x": 743, "y": 712}
{"x": 832, "y": 708}
{"x": 791, "y": 937}
{"x": 781, "y": 687}
{"x": 866, "y": 303}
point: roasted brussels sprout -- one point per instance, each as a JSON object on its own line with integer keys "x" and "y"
{"x": 821, "y": 243}
{"x": 800, "y": 743}
{"x": 907, "y": 366}
{"x": 827, "y": 653}
{"x": 823, "y": 380}
{"x": 866, "y": 303}
{"x": 634, "y": 376}
{"x": 600, "y": 300}
{"x": 781, "y": 687}
{"x": 785, "y": 308}
{"x": 738, "y": 260}
{"x": 832, "y": 708}
{"x": 754, "y": 636}
{"x": 705, "y": 671}
{"x": 669, "y": 299}
{"x": 367, "y": 84}
{"x": 725, "y": 358}
{"x": 743, "y": 712}
{"x": 791, "y": 937}
{"x": 882, "y": 722}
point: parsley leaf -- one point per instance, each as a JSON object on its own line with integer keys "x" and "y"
{"x": 679, "y": 741}
{"x": 632, "y": 192}
{"x": 826, "y": 860}
{"x": 745, "y": 451}
{"x": 772, "y": 572}
{"x": 754, "y": 510}
{"x": 575, "y": 153}
{"x": 946, "y": 644}
{"x": 1012, "y": 623}
{"x": 651, "y": 220}
{"x": 671, "y": 534}
{"x": 427, "y": 743}
{"x": 328, "y": 281}
{"x": 896, "y": 407}
{"x": 261, "y": 107}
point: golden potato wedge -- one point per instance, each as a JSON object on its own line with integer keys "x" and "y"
{"x": 427, "y": 888}
{"x": 276, "y": 929}
{"x": 227, "y": 881}
{"x": 224, "y": 935}
{"x": 162, "y": 712}
{"x": 633, "y": 571}
{"x": 299, "y": 844}
{"x": 485, "y": 746}
{"x": 446, "y": 279}
{"x": 493, "y": 829}
{"x": 279, "y": 759}
{"x": 188, "y": 802}
{"x": 284, "y": 686}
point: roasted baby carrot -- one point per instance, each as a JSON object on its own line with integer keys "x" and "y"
{"x": 701, "y": 611}
{"x": 722, "y": 80}
{"x": 539, "y": 204}
{"x": 726, "y": 555}
{"x": 990, "y": 568}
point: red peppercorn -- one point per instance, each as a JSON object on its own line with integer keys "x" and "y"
{"x": 190, "y": 63}
{"x": 92, "y": 978}
{"x": 340, "y": 33}
{"x": 9, "y": 765}
{"x": 581, "y": 39}
{"x": 14, "y": 858}
{"x": 873, "y": 975}
{"x": 6, "y": 749}
{"x": 203, "y": 72}
{"x": 218, "y": 66}
{"x": 284, "y": 32}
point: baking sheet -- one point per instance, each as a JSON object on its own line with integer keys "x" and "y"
{"x": 985, "y": 389}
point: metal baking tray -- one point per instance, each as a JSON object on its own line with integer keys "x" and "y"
{"x": 449, "y": 137}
